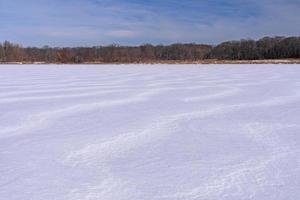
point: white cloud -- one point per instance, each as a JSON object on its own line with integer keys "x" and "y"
{"x": 90, "y": 22}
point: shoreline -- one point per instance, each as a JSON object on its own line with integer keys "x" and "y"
{"x": 207, "y": 61}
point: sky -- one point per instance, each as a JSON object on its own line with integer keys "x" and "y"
{"x": 132, "y": 22}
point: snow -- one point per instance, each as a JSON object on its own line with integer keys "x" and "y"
{"x": 131, "y": 132}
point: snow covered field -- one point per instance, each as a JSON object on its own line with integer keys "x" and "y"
{"x": 143, "y": 132}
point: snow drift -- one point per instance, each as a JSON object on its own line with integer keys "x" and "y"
{"x": 205, "y": 132}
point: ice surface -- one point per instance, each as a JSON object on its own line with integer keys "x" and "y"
{"x": 132, "y": 132}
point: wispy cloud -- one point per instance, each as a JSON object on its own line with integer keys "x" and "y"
{"x": 100, "y": 22}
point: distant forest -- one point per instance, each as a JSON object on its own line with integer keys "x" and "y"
{"x": 265, "y": 48}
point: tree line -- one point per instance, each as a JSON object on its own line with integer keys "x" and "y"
{"x": 265, "y": 48}
{"x": 10, "y": 52}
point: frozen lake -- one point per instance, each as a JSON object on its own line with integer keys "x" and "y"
{"x": 150, "y": 132}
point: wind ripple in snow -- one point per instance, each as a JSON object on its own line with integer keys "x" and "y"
{"x": 150, "y": 132}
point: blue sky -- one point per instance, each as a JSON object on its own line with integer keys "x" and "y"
{"x": 131, "y": 22}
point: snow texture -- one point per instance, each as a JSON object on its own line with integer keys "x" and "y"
{"x": 151, "y": 132}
